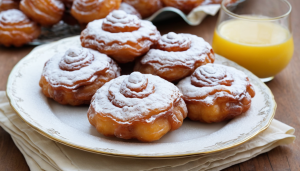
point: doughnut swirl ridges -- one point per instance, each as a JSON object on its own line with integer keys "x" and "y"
{"x": 86, "y": 11}
{"x": 214, "y": 93}
{"x": 145, "y": 7}
{"x": 129, "y": 9}
{"x": 140, "y": 106}
{"x": 44, "y": 12}
{"x": 9, "y": 4}
{"x": 74, "y": 77}
{"x": 119, "y": 21}
{"x": 16, "y": 29}
{"x": 122, "y": 46}
{"x": 176, "y": 56}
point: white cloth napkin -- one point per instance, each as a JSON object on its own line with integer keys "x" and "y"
{"x": 42, "y": 153}
{"x": 194, "y": 18}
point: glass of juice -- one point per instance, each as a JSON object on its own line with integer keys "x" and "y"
{"x": 256, "y": 34}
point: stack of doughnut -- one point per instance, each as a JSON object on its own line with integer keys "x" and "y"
{"x": 47, "y": 13}
{"x": 146, "y": 104}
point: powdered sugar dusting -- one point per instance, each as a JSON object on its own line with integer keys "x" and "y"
{"x": 173, "y": 40}
{"x": 135, "y": 86}
{"x": 58, "y": 4}
{"x": 13, "y": 16}
{"x": 215, "y": 73}
{"x": 69, "y": 70}
{"x": 129, "y": 9}
{"x": 75, "y": 59}
{"x": 120, "y": 19}
{"x": 110, "y": 99}
{"x": 208, "y": 76}
{"x": 136, "y": 80}
{"x": 146, "y": 30}
{"x": 197, "y": 52}
{"x": 172, "y": 35}
{"x": 118, "y": 14}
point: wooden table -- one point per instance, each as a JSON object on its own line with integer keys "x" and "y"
{"x": 285, "y": 87}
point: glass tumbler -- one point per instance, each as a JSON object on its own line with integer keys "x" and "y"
{"x": 256, "y": 34}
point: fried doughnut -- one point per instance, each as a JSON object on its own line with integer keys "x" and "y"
{"x": 145, "y": 7}
{"x": 176, "y": 56}
{"x": 137, "y": 106}
{"x": 9, "y": 4}
{"x": 185, "y": 6}
{"x": 44, "y": 12}
{"x": 74, "y": 77}
{"x": 129, "y": 9}
{"x": 215, "y": 93}
{"x": 121, "y": 36}
{"x": 16, "y": 29}
{"x": 86, "y": 11}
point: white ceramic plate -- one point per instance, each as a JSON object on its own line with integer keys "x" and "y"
{"x": 70, "y": 126}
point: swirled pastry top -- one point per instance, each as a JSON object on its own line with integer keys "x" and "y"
{"x": 129, "y": 9}
{"x": 86, "y": 7}
{"x": 77, "y": 67}
{"x": 121, "y": 27}
{"x": 45, "y": 12}
{"x": 135, "y": 96}
{"x": 16, "y": 28}
{"x": 213, "y": 81}
{"x": 14, "y": 16}
{"x": 86, "y": 11}
{"x": 178, "y": 49}
{"x": 145, "y": 7}
{"x": 9, "y": 4}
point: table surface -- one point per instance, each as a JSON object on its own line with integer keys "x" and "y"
{"x": 285, "y": 88}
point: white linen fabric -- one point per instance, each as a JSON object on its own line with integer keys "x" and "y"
{"x": 42, "y": 153}
{"x": 194, "y": 18}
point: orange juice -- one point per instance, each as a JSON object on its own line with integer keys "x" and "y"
{"x": 262, "y": 47}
